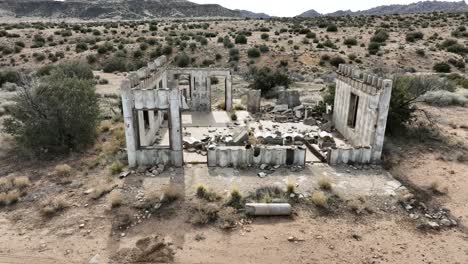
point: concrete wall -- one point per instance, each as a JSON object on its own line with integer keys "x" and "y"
{"x": 349, "y": 155}
{"x": 235, "y": 156}
{"x": 200, "y": 86}
{"x": 374, "y": 98}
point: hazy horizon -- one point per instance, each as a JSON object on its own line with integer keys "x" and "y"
{"x": 296, "y": 7}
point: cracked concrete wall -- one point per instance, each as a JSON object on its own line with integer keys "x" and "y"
{"x": 374, "y": 99}
{"x": 236, "y": 156}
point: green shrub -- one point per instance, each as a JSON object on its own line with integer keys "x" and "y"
{"x": 350, "y": 42}
{"x": 373, "y": 48}
{"x": 380, "y": 36}
{"x": 241, "y": 39}
{"x": 115, "y": 64}
{"x": 58, "y": 115}
{"x": 80, "y": 47}
{"x": 253, "y": 53}
{"x": 182, "y": 60}
{"x": 265, "y": 36}
{"x": 332, "y": 28}
{"x": 265, "y": 79}
{"x": 414, "y": 36}
{"x": 336, "y": 61}
{"x": 441, "y": 67}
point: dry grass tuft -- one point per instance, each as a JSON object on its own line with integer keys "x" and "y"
{"x": 101, "y": 190}
{"x": 105, "y": 126}
{"x": 204, "y": 193}
{"x": 21, "y": 182}
{"x": 10, "y": 197}
{"x": 203, "y": 213}
{"x": 52, "y": 206}
{"x": 324, "y": 183}
{"x": 63, "y": 170}
{"x": 227, "y": 217}
{"x": 116, "y": 168}
{"x": 319, "y": 199}
{"x": 171, "y": 193}
{"x": 115, "y": 199}
{"x": 290, "y": 187}
{"x": 235, "y": 199}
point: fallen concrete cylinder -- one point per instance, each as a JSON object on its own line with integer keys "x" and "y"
{"x": 265, "y": 209}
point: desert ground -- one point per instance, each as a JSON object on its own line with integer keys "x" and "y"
{"x": 79, "y": 208}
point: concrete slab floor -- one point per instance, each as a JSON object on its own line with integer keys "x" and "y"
{"x": 348, "y": 182}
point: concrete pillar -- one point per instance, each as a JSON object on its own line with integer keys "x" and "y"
{"x": 253, "y": 101}
{"x": 384, "y": 104}
{"x": 130, "y": 128}
{"x": 228, "y": 97}
{"x": 175, "y": 129}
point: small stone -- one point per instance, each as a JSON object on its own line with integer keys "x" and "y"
{"x": 122, "y": 234}
{"x": 81, "y": 225}
{"x": 262, "y": 174}
{"x": 445, "y": 222}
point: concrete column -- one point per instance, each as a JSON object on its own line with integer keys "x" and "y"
{"x": 175, "y": 129}
{"x": 384, "y": 104}
{"x": 253, "y": 101}
{"x": 130, "y": 133}
{"x": 228, "y": 95}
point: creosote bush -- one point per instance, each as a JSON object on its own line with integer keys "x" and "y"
{"x": 58, "y": 114}
{"x": 265, "y": 79}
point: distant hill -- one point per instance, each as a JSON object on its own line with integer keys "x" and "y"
{"x": 118, "y": 9}
{"x": 245, "y": 13}
{"x": 310, "y": 13}
{"x": 419, "y": 7}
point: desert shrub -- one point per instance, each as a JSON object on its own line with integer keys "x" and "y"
{"x": 81, "y": 46}
{"x": 441, "y": 67}
{"x": 116, "y": 168}
{"x": 115, "y": 64}
{"x": 311, "y": 35}
{"x": 167, "y": 50}
{"x": 332, "y": 28}
{"x": 9, "y": 75}
{"x": 444, "y": 98}
{"x": 414, "y": 36}
{"x": 253, "y": 53}
{"x": 182, "y": 60}
{"x": 336, "y": 61}
{"x": 420, "y": 52}
{"x": 265, "y": 79}
{"x": 52, "y": 206}
{"x": 63, "y": 170}
{"x": 380, "y": 36}
{"x": 324, "y": 183}
{"x": 373, "y": 48}
{"x": 319, "y": 199}
{"x": 241, "y": 39}
{"x": 57, "y": 115}
{"x": 264, "y": 48}
{"x": 265, "y": 36}
{"x": 350, "y": 42}
{"x": 407, "y": 90}
{"x": 235, "y": 199}
{"x": 227, "y": 217}
{"x": 203, "y": 213}
{"x": 460, "y": 64}
{"x": 116, "y": 199}
{"x": 100, "y": 190}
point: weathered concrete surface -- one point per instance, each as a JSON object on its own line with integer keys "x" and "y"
{"x": 290, "y": 98}
{"x": 372, "y": 109}
{"x": 253, "y": 101}
{"x": 345, "y": 180}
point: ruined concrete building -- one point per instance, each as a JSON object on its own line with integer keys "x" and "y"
{"x": 360, "y": 115}
{"x": 155, "y": 129}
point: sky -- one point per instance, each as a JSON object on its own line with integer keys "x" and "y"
{"x": 287, "y": 8}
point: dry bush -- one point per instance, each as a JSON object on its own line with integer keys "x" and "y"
{"x": 290, "y": 187}
{"x": 235, "y": 199}
{"x": 239, "y": 107}
{"x": 324, "y": 183}
{"x": 6, "y": 184}
{"x": 445, "y": 98}
{"x": 171, "y": 193}
{"x": 10, "y": 197}
{"x": 355, "y": 205}
{"x": 52, "y": 206}
{"x": 117, "y": 141}
{"x": 227, "y": 217}
{"x": 152, "y": 199}
{"x": 21, "y": 182}
{"x": 101, "y": 190}
{"x": 116, "y": 168}
{"x": 203, "y": 213}
{"x": 115, "y": 199}
{"x": 208, "y": 195}
{"x": 319, "y": 199}
{"x": 62, "y": 170}
{"x": 105, "y": 126}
